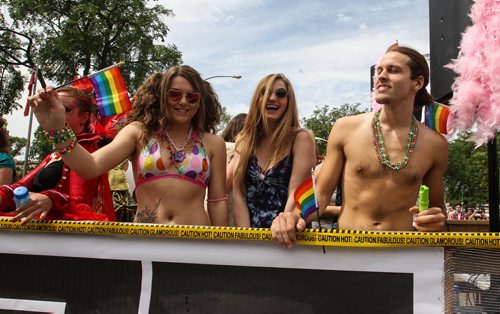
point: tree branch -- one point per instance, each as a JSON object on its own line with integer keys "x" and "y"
{"x": 29, "y": 61}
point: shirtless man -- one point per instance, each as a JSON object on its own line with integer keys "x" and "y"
{"x": 382, "y": 158}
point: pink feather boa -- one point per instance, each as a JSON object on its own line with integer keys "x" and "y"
{"x": 476, "y": 90}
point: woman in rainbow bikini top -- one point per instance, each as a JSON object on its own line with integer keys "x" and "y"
{"x": 169, "y": 137}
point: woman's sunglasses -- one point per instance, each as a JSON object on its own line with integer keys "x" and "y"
{"x": 176, "y": 95}
{"x": 280, "y": 92}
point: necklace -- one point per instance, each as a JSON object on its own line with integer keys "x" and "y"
{"x": 179, "y": 154}
{"x": 261, "y": 173}
{"x": 378, "y": 143}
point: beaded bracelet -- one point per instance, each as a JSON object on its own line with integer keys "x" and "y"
{"x": 214, "y": 200}
{"x": 60, "y": 136}
{"x": 67, "y": 149}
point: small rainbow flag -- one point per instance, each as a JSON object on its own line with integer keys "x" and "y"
{"x": 111, "y": 92}
{"x": 305, "y": 197}
{"x": 436, "y": 117}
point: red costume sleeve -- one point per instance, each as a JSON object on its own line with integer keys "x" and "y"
{"x": 73, "y": 198}
{"x": 6, "y": 191}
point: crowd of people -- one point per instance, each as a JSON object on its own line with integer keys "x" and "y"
{"x": 470, "y": 213}
{"x": 184, "y": 173}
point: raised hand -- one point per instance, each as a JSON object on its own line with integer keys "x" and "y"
{"x": 48, "y": 109}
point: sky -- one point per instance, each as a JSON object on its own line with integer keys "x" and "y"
{"x": 324, "y": 47}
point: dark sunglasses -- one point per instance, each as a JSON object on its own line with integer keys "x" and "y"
{"x": 280, "y": 92}
{"x": 176, "y": 95}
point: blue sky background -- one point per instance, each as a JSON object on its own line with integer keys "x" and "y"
{"x": 325, "y": 48}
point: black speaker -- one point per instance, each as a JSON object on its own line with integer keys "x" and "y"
{"x": 447, "y": 21}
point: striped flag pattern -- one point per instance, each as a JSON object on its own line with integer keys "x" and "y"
{"x": 111, "y": 92}
{"x": 305, "y": 197}
{"x": 436, "y": 117}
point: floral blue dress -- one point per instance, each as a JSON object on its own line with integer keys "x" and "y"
{"x": 267, "y": 192}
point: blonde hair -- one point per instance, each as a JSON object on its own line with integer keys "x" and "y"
{"x": 256, "y": 126}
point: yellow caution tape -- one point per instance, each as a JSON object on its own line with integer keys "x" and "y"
{"x": 347, "y": 238}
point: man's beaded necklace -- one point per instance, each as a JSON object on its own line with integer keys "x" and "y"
{"x": 378, "y": 143}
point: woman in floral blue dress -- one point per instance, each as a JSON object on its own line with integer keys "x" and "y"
{"x": 273, "y": 155}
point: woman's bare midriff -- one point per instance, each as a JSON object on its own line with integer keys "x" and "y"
{"x": 171, "y": 201}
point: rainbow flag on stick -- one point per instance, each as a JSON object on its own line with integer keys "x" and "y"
{"x": 110, "y": 90}
{"x": 436, "y": 117}
{"x": 305, "y": 197}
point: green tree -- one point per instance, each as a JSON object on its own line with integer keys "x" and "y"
{"x": 17, "y": 144}
{"x": 11, "y": 79}
{"x": 322, "y": 119}
{"x": 466, "y": 178}
{"x": 225, "y": 117}
{"x": 39, "y": 147}
{"x": 11, "y": 86}
{"x": 81, "y": 36}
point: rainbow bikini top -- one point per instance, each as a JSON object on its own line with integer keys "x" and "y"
{"x": 195, "y": 168}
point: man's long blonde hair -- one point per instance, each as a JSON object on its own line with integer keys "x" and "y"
{"x": 256, "y": 126}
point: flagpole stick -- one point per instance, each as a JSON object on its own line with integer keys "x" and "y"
{"x": 28, "y": 142}
{"x": 105, "y": 69}
{"x": 319, "y": 224}
{"x": 317, "y": 205}
{"x": 39, "y": 76}
{"x": 42, "y": 81}
{"x": 69, "y": 83}
{"x": 93, "y": 74}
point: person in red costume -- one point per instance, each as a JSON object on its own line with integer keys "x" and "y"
{"x": 56, "y": 192}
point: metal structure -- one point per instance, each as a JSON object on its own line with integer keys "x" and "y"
{"x": 230, "y": 76}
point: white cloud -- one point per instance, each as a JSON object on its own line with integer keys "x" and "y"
{"x": 327, "y": 58}
{"x": 344, "y": 18}
{"x": 327, "y": 62}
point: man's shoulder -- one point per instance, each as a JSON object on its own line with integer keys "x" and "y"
{"x": 432, "y": 136}
{"x": 354, "y": 119}
{"x": 347, "y": 128}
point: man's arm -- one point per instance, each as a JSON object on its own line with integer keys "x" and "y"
{"x": 286, "y": 224}
{"x": 304, "y": 159}
{"x": 330, "y": 173}
{"x": 433, "y": 219}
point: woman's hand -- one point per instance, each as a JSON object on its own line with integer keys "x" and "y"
{"x": 285, "y": 227}
{"x": 48, "y": 109}
{"x": 38, "y": 204}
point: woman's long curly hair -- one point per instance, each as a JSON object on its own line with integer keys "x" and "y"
{"x": 256, "y": 126}
{"x": 151, "y": 102}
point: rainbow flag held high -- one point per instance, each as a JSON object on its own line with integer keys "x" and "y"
{"x": 110, "y": 91}
{"x": 436, "y": 117}
{"x": 305, "y": 197}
